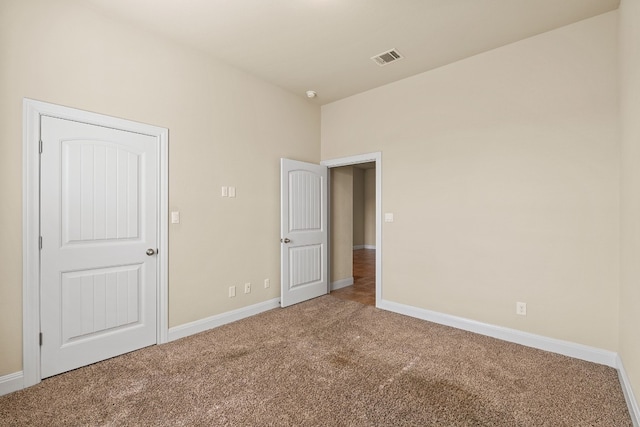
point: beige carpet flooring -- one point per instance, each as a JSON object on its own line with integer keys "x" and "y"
{"x": 327, "y": 362}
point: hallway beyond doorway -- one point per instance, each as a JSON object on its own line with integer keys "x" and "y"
{"x": 363, "y": 289}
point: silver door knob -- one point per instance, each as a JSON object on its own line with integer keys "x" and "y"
{"x": 287, "y": 240}
{"x": 150, "y": 252}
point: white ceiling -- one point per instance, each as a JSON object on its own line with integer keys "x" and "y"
{"x": 326, "y": 45}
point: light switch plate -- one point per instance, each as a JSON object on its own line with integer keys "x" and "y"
{"x": 388, "y": 217}
{"x": 232, "y": 191}
{"x": 175, "y": 217}
{"x": 225, "y": 191}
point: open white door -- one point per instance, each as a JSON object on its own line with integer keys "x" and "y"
{"x": 304, "y": 231}
{"x": 99, "y": 216}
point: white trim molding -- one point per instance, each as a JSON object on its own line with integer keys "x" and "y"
{"x": 221, "y": 319}
{"x": 32, "y": 111}
{"x": 358, "y": 247}
{"x": 342, "y": 283}
{"x": 566, "y": 348}
{"x": 632, "y": 402}
{"x": 365, "y": 158}
{"x": 12, "y": 382}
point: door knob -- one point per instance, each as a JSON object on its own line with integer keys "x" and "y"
{"x": 287, "y": 240}
{"x": 150, "y": 252}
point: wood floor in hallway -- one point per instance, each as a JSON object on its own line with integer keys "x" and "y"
{"x": 363, "y": 289}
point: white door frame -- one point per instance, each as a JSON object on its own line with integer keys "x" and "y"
{"x": 32, "y": 111}
{"x": 366, "y": 158}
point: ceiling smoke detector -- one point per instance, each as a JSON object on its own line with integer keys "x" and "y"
{"x": 387, "y": 57}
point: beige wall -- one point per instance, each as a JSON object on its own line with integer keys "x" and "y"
{"x": 358, "y": 207}
{"x": 364, "y": 207}
{"x": 502, "y": 171}
{"x": 630, "y": 120}
{"x": 370, "y": 207}
{"x": 341, "y": 223}
{"x": 225, "y": 127}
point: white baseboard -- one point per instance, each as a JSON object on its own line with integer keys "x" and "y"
{"x": 566, "y": 348}
{"x": 632, "y": 403}
{"x": 12, "y": 382}
{"x": 342, "y": 283}
{"x": 357, "y": 247}
{"x": 202, "y": 325}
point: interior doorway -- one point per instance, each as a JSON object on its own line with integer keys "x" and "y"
{"x": 363, "y": 289}
{"x": 353, "y": 243}
{"x": 36, "y": 239}
{"x": 355, "y": 228}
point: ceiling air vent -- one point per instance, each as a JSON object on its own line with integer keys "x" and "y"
{"x": 385, "y": 58}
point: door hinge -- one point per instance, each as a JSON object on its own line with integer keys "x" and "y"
{"x": 40, "y": 338}
{"x": 40, "y": 147}
{"x": 40, "y": 242}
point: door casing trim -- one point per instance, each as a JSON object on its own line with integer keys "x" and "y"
{"x": 32, "y": 111}
{"x": 365, "y": 158}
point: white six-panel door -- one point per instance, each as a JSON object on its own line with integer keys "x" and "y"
{"x": 99, "y": 241}
{"x": 304, "y": 231}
